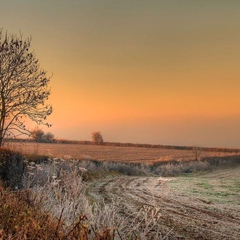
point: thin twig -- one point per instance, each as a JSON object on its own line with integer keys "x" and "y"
{"x": 119, "y": 234}
{"x": 59, "y": 220}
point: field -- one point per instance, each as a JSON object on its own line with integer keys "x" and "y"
{"x": 199, "y": 205}
{"x": 205, "y": 206}
{"x": 113, "y": 153}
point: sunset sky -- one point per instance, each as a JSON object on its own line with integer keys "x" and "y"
{"x": 140, "y": 71}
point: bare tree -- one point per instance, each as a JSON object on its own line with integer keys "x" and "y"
{"x": 97, "y": 138}
{"x": 49, "y": 137}
{"x": 23, "y": 87}
{"x": 38, "y": 135}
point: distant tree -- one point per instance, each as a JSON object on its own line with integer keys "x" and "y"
{"x": 97, "y": 138}
{"x": 38, "y": 135}
{"x": 23, "y": 87}
{"x": 49, "y": 137}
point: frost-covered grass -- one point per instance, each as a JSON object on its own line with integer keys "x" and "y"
{"x": 58, "y": 184}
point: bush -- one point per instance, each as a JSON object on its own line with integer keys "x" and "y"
{"x": 177, "y": 168}
{"x": 12, "y": 166}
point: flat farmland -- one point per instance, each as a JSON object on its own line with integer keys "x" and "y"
{"x": 113, "y": 153}
{"x": 199, "y": 205}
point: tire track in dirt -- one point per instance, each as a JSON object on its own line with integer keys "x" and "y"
{"x": 180, "y": 217}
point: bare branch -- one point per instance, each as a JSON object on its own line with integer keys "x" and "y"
{"x": 23, "y": 86}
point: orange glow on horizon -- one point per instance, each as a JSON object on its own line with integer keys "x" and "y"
{"x": 137, "y": 71}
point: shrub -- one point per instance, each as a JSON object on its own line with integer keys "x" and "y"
{"x": 175, "y": 168}
{"x": 12, "y": 165}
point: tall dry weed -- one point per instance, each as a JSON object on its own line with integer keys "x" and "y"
{"x": 60, "y": 189}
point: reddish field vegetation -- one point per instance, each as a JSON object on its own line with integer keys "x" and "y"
{"x": 116, "y": 153}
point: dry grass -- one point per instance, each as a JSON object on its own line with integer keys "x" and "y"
{"x": 20, "y": 218}
{"x": 49, "y": 206}
{"x": 59, "y": 187}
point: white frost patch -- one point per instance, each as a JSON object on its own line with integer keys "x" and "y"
{"x": 165, "y": 179}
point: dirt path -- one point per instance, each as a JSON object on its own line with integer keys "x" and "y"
{"x": 196, "y": 207}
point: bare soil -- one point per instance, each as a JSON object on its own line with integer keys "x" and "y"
{"x": 205, "y": 206}
{"x": 113, "y": 153}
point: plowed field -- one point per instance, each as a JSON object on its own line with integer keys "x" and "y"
{"x": 113, "y": 153}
